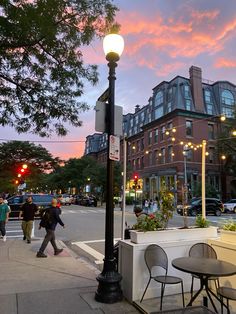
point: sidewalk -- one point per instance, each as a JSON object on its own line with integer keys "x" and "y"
{"x": 63, "y": 284}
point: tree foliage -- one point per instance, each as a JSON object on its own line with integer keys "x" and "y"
{"x": 14, "y": 154}
{"x": 42, "y": 73}
{"x": 79, "y": 172}
{"x": 227, "y": 145}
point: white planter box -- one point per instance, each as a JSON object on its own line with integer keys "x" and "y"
{"x": 228, "y": 236}
{"x": 173, "y": 235}
{"x": 176, "y": 243}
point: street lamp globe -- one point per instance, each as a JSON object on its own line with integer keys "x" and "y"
{"x": 113, "y": 46}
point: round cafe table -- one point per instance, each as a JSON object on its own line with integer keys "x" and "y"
{"x": 204, "y": 268}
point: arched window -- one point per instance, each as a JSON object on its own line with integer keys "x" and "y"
{"x": 159, "y": 98}
{"x": 227, "y": 100}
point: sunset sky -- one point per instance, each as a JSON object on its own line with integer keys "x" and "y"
{"x": 163, "y": 38}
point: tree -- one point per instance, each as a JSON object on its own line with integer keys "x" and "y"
{"x": 42, "y": 73}
{"x": 227, "y": 145}
{"x": 14, "y": 154}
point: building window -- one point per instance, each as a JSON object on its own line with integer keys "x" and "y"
{"x": 156, "y": 135}
{"x": 169, "y": 94}
{"x": 189, "y": 128}
{"x": 163, "y": 155}
{"x": 149, "y": 137}
{"x": 156, "y": 156}
{"x": 211, "y": 156}
{"x": 211, "y": 132}
{"x": 138, "y": 163}
{"x": 149, "y": 117}
{"x": 134, "y": 164}
{"x": 169, "y": 107}
{"x": 170, "y": 153}
{"x": 150, "y": 158}
{"x": 158, "y": 112}
{"x": 227, "y": 100}
{"x": 187, "y": 91}
{"x": 209, "y": 108}
{"x": 159, "y": 98}
{"x": 142, "y": 116}
{"x": 136, "y": 119}
{"x": 131, "y": 123}
{"x": 163, "y": 129}
{"x": 207, "y": 96}
{"x": 188, "y": 104}
{"x": 142, "y": 144}
{"x": 142, "y": 162}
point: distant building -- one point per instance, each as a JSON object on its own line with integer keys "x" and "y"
{"x": 184, "y": 110}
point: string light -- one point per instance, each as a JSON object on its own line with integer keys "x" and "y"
{"x": 223, "y": 157}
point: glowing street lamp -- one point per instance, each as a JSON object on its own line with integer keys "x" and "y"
{"x": 109, "y": 290}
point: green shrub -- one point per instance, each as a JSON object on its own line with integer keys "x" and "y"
{"x": 230, "y": 225}
{"x": 202, "y": 222}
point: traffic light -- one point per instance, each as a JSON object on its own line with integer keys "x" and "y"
{"x": 135, "y": 179}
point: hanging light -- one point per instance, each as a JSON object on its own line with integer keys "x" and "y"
{"x": 223, "y": 157}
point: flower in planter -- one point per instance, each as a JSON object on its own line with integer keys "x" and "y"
{"x": 152, "y": 222}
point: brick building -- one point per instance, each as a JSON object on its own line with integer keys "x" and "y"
{"x": 181, "y": 111}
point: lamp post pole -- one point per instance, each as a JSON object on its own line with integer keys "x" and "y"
{"x": 109, "y": 290}
{"x": 185, "y": 175}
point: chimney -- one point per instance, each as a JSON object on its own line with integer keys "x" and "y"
{"x": 137, "y": 108}
{"x": 196, "y": 88}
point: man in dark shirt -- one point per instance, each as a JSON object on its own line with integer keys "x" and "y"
{"x": 50, "y": 227}
{"x": 27, "y": 213}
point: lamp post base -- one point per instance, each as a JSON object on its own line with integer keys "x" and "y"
{"x": 109, "y": 290}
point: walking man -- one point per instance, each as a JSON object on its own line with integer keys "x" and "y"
{"x": 27, "y": 213}
{"x": 49, "y": 223}
{"x": 4, "y": 216}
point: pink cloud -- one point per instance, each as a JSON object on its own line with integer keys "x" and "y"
{"x": 225, "y": 63}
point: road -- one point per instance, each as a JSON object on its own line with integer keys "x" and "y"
{"x": 87, "y": 224}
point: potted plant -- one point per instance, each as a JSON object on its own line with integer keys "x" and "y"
{"x": 228, "y": 231}
{"x": 152, "y": 228}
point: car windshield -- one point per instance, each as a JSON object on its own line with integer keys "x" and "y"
{"x": 195, "y": 202}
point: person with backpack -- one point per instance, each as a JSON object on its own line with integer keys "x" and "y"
{"x": 49, "y": 221}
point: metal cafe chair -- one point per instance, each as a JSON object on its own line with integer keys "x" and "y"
{"x": 155, "y": 257}
{"x": 229, "y": 294}
{"x": 203, "y": 250}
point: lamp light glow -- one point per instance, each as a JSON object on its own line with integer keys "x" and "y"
{"x": 113, "y": 43}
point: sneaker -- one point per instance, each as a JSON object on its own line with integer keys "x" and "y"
{"x": 4, "y": 238}
{"x": 58, "y": 251}
{"x": 40, "y": 254}
{"x": 24, "y": 238}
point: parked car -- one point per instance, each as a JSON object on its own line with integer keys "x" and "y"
{"x": 66, "y": 199}
{"x": 230, "y": 206}
{"x": 41, "y": 200}
{"x": 213, "y": 206}
{"x": 88, "y": 201}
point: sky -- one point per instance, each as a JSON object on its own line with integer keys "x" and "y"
{"x": 163, "y": 38}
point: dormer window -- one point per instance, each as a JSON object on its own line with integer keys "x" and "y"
{"x": 159, "y": 98}
{"x": 227, "y": 100}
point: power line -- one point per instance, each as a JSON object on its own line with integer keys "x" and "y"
{"x": 40, "y": 141}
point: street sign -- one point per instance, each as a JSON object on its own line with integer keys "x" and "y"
{"x": 114, "y": 151}
{"x": 100, "y": 123}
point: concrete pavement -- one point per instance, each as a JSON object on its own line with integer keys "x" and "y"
{"x": 63, "y": 284}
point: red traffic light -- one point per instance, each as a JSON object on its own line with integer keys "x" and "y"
{"x": 135, "y": 177}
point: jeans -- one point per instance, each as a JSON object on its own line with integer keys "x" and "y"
{"x": 49, "y": 237}
{"x": 27, "y": 227}
{"x": 3, "y": 228}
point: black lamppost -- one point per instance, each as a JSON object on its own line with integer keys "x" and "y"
{"x": 109, "y": 290}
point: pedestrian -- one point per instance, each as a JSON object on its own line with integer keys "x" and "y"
{"x": 53, "y": 217}
{"x": 146, "y": 206}
{"x": 4, "y": 216}
{"x": 27, "y": 213}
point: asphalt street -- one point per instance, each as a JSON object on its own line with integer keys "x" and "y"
{"x": 87, "y": 224}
